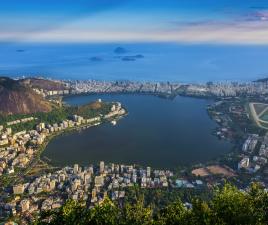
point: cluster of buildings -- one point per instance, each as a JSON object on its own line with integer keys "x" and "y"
{"x": 234, "y": 120}
{"x": 92, "y": 86}
{"x": 254, "y": 158}
{"x": 24, "y": 120}
{"x": 46, "y": 93}
{"x": 250, "y": 143}
{"x": 116, "y": 110}
{"x": 228, "y": 89}
{"x": 18, "y": 149}
{"x": 223, "y": 119}
{"x": 75, "y": 121}
{"x": 220, "y": 89}
{"x": 90, "y": 184}
{"x": 185, "y": 183}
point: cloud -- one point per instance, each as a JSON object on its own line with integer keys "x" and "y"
{"x": 250, "y": 32}
{"x": 255, "y": 15}
{"x": 250, "y": 28}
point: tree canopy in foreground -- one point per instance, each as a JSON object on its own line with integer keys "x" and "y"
{"x": 229, "y": 206}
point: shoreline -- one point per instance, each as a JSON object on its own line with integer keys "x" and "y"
{"x": 188, "y": 165}
{"x": 19, "y": 175}
{"x": 76, "y": 129}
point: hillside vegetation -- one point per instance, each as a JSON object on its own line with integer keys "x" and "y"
{"x": 228, "y": 206}
{"x": 56, "y": 115}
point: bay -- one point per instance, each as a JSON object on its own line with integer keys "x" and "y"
{"x": 155, "y": 61}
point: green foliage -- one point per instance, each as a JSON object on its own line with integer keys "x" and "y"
{"x": 94, "y": 109}
{"x": 164, "y": 196}
{"x": 136, "y": 214}
{"x": 57, "y": 115}
{"x": 228, "y": 206}
{"x": 106, "y": 213}
{"x": 231, "y": 206}
{"x": 173, "y": 214}
{"x": 72, "y": 213}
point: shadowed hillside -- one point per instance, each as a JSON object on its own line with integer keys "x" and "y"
{"x": 17, "y": 97}
{"x": 44, "y": 84}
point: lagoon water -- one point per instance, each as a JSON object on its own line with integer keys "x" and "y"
{"x": 161, "y": 61}
{"x": 157, "y": 132}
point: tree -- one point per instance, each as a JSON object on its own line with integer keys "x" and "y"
{"x": 228, "y": 206}
{"x": 105, "y": 213}
{"x": 71, "y": 213}
{"x": 173, "y": 214}
{"x": 137, "y": 214}
{"x": 231, "y": 206}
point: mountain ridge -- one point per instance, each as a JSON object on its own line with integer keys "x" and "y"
{"x": 19, "y": 98}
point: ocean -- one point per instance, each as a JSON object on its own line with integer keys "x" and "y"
{"x": 139, "y": 62}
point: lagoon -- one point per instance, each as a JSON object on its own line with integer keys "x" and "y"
{"x": 158, "y": 132}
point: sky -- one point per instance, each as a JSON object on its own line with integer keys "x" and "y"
{"x": 242, "y": 22}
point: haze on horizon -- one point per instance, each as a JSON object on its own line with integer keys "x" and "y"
{"x": 180, "y": 21}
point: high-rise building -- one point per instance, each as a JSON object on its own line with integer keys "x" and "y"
{"x": 76, "y": 168}
{"x": 76, "y": 183}
{"x": 102, "y": 167}
{"x": 148, "y": 171}
{"x": 91, "y": 169}
{"x": 52, "y": 185}
{"x": 62, "y": 177}
{"x": 93, "y": 195}
{"x": 87, "y": 178}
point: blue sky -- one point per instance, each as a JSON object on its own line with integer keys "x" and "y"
{"x": 183, "y": 21}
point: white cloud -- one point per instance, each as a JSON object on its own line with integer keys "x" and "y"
{"x": 246, "y": 32}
